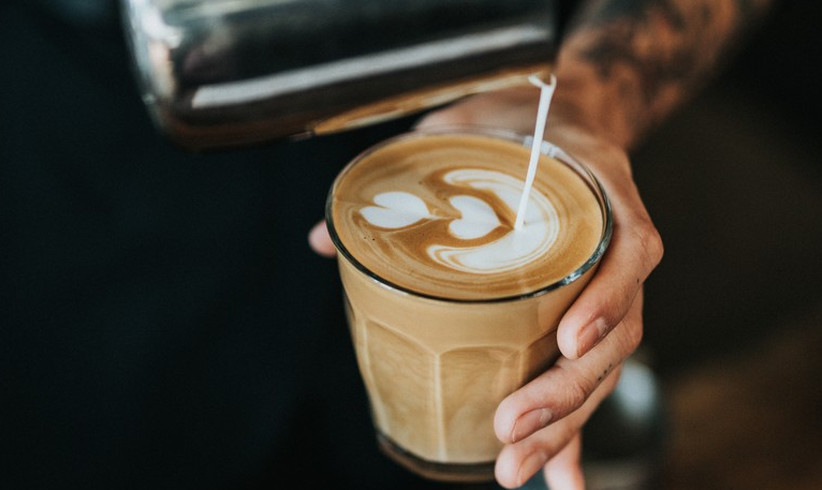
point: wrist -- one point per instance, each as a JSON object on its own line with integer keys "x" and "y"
{"x": 582, "y": 100}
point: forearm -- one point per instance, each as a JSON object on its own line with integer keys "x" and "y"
{"x": 625, "y": 65}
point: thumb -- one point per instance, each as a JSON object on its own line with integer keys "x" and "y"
{"x": 320, "y": 241}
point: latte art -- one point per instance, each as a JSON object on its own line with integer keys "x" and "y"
{"x": 476, "y": 220}
{"x": 436, "y": 215}
{"x": 395, "y": 210}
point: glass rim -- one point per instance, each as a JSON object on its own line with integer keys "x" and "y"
{"x": 549, "y": 149}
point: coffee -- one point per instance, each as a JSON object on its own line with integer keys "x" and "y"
{"x": 450, "y": 309}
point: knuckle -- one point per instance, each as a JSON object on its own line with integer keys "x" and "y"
{"x": 577, "y": 392}
{"x": 656, "y": 246}
{"x": 634, "y": 336}
{"x": 650, "y": 242}
{"x": 630, "y": 333}
{"x": 576, "y": 395}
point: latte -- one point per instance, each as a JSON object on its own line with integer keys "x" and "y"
{"x": 450, "y": 308}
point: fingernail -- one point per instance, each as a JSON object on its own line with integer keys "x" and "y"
{"x": 530, "y": 422}
{"x": 590, "y": 335}
{"x": 530, "y": 466}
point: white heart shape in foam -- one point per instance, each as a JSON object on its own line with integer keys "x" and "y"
{"x": 395, "y": 210}
{"x": 478, "y": 218}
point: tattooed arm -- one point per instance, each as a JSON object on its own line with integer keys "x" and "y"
{"x": 626, "y": 64}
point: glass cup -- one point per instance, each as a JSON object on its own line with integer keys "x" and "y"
{"x": 436, "y": 368}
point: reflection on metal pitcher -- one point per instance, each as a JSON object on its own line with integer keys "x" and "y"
{"x": 225, "y": 73}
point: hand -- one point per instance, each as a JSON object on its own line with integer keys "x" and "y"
{"x": 540, "y": 423}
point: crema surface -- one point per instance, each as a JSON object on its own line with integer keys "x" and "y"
{"x": 435, "y": 214}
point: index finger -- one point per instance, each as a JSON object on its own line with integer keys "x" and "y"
{"x": 635, "y": 250}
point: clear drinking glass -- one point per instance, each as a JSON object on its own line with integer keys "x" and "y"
{"x": 435, "y": 368}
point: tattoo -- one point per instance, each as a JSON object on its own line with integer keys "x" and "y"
{"x": 651, "y": 52}
{"x": 610, "y": 11}
{"x": 605, "y": 372}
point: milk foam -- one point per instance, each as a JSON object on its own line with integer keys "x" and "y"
{"x": 478, "y": 218}
{"x": 395, "y": 210}
{"x": 435, "y": 214}
{"x": 514, "y": 249}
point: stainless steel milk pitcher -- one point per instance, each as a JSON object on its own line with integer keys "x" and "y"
{"x": 223, "y": 73}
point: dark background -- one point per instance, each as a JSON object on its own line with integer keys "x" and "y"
{"x": 733, "y": 183}
{"x": 733, "y": 314}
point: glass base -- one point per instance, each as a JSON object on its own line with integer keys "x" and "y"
{"x": 446, "y": 472}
